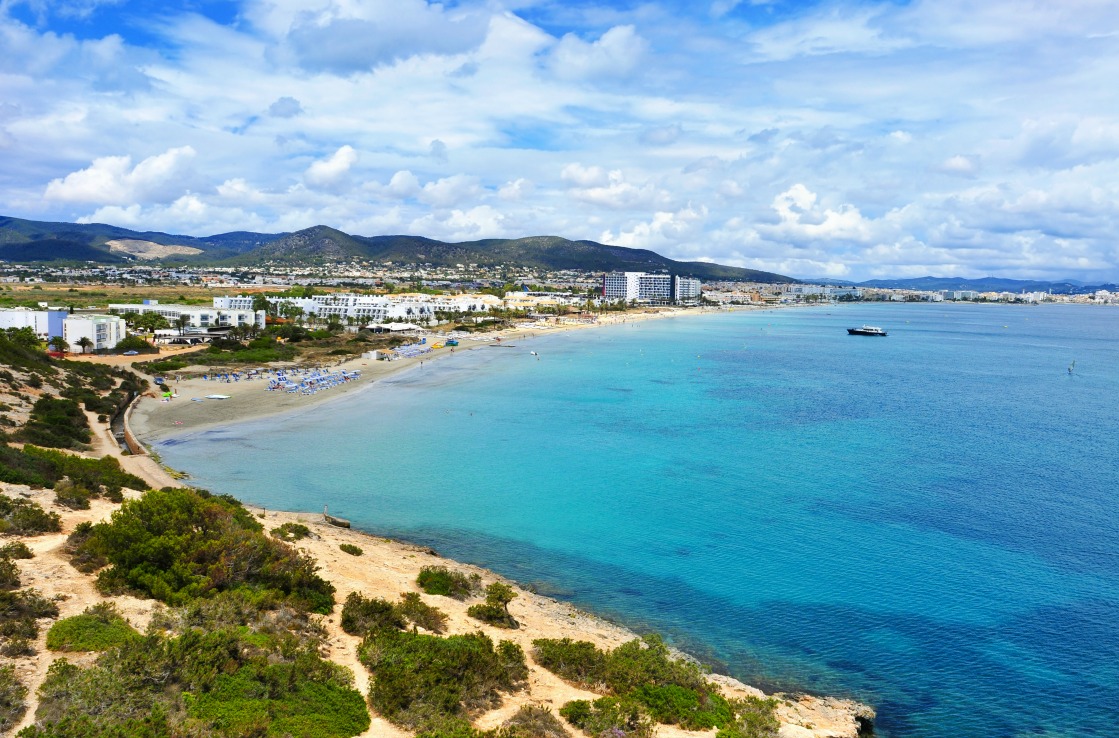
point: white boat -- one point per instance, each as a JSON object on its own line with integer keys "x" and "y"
{"x": 866, "y": 330}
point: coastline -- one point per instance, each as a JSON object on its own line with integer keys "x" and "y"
{"x": 386, "y": 568}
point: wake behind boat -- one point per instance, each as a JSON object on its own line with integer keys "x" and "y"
{"x": 866, "y": 330}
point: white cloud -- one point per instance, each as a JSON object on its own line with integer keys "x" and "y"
{"x": 285, "y": 107}
{"x": 113, "y": 179}
{"x": 518, "y": 189}
{"x": 332, "y": 171}
{"x": 615, "y": 54}
{"x": 959, "y": 165}
{"x": 451, "y": 191}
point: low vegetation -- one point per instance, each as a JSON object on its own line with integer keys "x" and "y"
{"x": 439, "y": 580}
{"x": 178, "y": 544}
{"x": 99, "y": 628}
{"x": 56, "y": 422}
{"x": 351, "y": 549}
{"x": 361, "y": 615}
{"x": 645, "y": 685}
{"x": 495, "y": 610}
{"x": 291, "y": 532}
{"x": 19, "y": 615}
{"x": 16, "y": 550}
{"x": 225, "y": 666}
{"x": 40, "y": 467}
{"x": 20, "y": 517}
{"x": 13, "y": 697}
{"x": 424, "y": 682}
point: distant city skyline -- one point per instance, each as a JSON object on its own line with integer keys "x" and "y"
{"x": 846, "y": 140}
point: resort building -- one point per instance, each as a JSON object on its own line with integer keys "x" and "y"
{"x": 375, "y": 309}
{"x": 644, "y": 287}
{"x": 46, "y": 323}
{"x": 103, "y": 331}
{"x": 197, "y": 318}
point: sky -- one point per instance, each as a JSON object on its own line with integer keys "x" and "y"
{"x": 845, "y": 139}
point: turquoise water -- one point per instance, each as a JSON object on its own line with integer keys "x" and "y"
{"x": 927, "y": 522}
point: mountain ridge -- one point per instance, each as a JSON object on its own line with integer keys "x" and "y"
{"x": 40, "y": 241}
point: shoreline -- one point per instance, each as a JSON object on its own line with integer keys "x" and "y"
{"x": 387, "y": 567}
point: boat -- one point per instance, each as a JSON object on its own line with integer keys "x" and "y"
{"x": 866, "y": 330}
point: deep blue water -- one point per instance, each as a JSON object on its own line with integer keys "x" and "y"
{"x": 927, "y": 522}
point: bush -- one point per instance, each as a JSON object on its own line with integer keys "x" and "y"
{"x": 495, "y": 611}
{"x": 83, "y": 555}
{"x": 535, "y": 721}
{"x": 421, "y": 680}
{"x": 12, "y": 698}
{"x": 73, "y": 496}
{"x": 25, "y": 518}
{"x": 99, "y": 628}
{"x": 178, "y": 544}
{"x": 351, "y": 549}
{"x": 16, "y": 550}
{"x": 361, "y": 616}
{"x": 754, "y": 717}
{"x": 439, "y": 580}
{"x": 9, "y": 574}
{"x": 418, "y": 612}
{"x": 56, "y": 422}
{"x": 580, "y": 662}
{"x": 19, "y": 613}
{"x": 609, "y": 716}
{"x": 291, "y": 532}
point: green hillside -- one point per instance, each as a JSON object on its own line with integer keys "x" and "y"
{"x": 27, "y": 241}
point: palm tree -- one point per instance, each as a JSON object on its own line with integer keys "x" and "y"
{"x": 59, "y": 344}
{"x": 181, "y": 323}
{"x": 85, "y": 343}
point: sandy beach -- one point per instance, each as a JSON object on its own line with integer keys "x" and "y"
{"x": 386, "y": 569}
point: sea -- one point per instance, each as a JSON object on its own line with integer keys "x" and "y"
{"x": 925, "y": 522}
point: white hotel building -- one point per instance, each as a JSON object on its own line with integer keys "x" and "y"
{"x": 644, "y": 287}
{"x": 374, "y": 309}
{"x": 199, "y": 318}
{"x": 103, "y": 331}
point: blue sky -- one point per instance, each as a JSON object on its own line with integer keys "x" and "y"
{"x": 843, "y": 139}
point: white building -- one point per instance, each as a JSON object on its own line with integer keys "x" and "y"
{"x": 199, "y": 318}
{"x": 103, "y": 331}
{"x": 686, "y": 289}
{"x": 45, "y": 323}
{"x": 644, "y": 287}
{"x": 367, "y": 309}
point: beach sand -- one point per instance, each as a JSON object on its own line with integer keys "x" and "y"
{"x": 386, "y": 569}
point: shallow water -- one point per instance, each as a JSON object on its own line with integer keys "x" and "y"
{"x": 926, "y": 522}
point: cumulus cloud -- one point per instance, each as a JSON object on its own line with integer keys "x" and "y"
{"x": 615, "y": 54}
{"x": 285, "y": 107}
{"x": 347, "y": 37}
{"x": 113, "y": 179}
{"x": 451, "y": 191}
{"x": 960, "y": 166}
{"x": 333, "y": 171}
{"x": 518, "y": 189}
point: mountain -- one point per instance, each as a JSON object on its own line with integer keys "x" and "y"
{"x": 983, "y": 284}
{"x": 321, "y": 243}
{"x": 36, "y": 241}
{"x": 33, "y": 241}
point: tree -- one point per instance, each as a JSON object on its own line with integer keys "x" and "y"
{"x": 181, "y": 323}
{"x": 260, "y": 302}
{"x": 59, "y": 344}
{"x": 86, "y": 343}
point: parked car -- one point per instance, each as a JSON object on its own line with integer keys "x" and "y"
{"x": 131, "y": 353}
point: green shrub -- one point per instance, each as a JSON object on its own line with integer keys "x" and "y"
{"x": 648, "y": 661}
{"x": 291, "y": 532}
{"x": 351, "y": 549}
{"x": 609, "y": 716}
{"x": 685, "y": 707}
{"x": 25, "y": 518}
{"x": 16, "y": 550}
{"x": 439, "y": 580}
{"x": 84, "y": 555}
{"x": 178, "y": 544}
{"x": 73, "y": 496}
{"x": 56, "y": 422}
{"x": 17, "y": 646}
{"x": 361, "y": 616}
{"x": 495, "y": 610}
{"x": 535, "y": 721}
{"x": 12, "y": 698}
{"x": 99, "y": 628}
{"x": 418, "y": 612}
{"x": 580, "y": 662}
{"x": 9, "y": 574}
{"x": 420, "y": 680}
{"x": 754, "y": 717}
{"x": 19, "y": 614}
